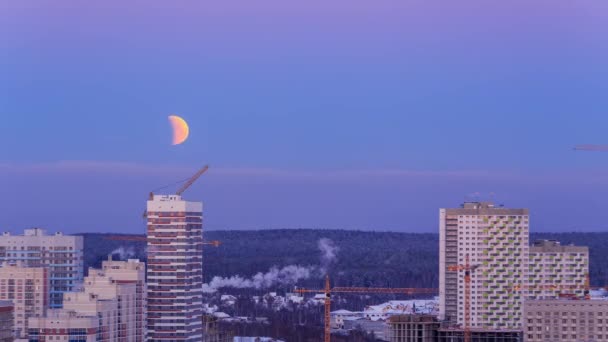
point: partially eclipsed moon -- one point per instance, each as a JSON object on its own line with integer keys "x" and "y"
{"x": 180, "y": 129}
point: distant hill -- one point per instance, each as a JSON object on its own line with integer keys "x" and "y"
{"x": 364, "y": 258}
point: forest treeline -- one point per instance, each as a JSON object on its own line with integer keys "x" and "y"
{"x": 363, "y": 258}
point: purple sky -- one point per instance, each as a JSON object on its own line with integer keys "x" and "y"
{"x": 333, "y": 114}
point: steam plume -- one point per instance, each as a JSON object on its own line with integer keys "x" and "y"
{"x": 287, "y": 275}
{"x": 275, "y": 276}
{"x": 124, "y": 253}
{"x": 329, "y": 253}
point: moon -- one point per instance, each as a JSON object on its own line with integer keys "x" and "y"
{"x": 180, "y": 129}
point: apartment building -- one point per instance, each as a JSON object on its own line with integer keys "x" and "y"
{"x": 100, "y": 287}
{"x": 495, "y": 241}
{"x": 174, "y": 274}
{"x": 133, "y": 272}
{"x": 109, "y": 297}
{"x": 565, "y": 320}
{"x": 61, "y": 254}
{"x": 555, "y": 271}
{"x": 28, "y": 289}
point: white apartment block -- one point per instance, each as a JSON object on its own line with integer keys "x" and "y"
{"x": 565, "y": 320}
{"x": 495, "y": 239}
{"x": 556, "y": 271}
{"x": 97, "y": 285}
{"x": 62, "y": 255}
{"x": 109, "y": 296}
{"x": 28, "y": 289}
{"x": 131, "y": 271}
{"x": 174, "y": 274}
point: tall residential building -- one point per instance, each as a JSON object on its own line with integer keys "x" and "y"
{"x": 6, "y": 321}
{"x": 105, "y": 308}
{"x": 556, "y": 270}
{"x": 62, "y": 255}
{"x": 495, "y": 240}
{"x": 174, "y": 274}
{"x": 565, "y": 320}
{"x": 28, "y": 289}
{"x": 131, "y": 271}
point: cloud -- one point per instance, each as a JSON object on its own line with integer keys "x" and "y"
{"x": 147, "y": 169}
{"x": 91, "y": 166}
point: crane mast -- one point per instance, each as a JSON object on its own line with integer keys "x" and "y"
{"x": 328, "y": 290}
{"x": 183, "y": 188}
{"x": 467, "y": 268}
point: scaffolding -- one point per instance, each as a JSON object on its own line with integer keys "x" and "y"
{"x": 412, "y": 328}
{"x": 479, "y": 335}
{"x": 212, "y": 332}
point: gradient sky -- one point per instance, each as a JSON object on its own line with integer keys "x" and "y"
{"x": 327, "y": 114}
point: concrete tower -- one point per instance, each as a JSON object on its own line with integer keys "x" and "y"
{"x": 174, "y": 274}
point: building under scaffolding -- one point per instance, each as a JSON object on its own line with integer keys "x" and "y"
{"x": 479, "y": 335}
{"x": 413, "y": 328}
{"x": 427, "y": 328}
{"x": 212, "y": 331}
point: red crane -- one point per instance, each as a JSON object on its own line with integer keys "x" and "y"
{"x": 328, "y": 290}
{"x": 467, "y": 268}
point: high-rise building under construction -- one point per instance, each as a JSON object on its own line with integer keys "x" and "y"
{"x": 174, "y": 273}
{"x": 494, "y": 240}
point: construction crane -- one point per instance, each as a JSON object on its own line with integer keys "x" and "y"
{"x": 192, "y": 179}
{"x": 588, "y": 147}
{"x": 139, "y": 238}
{"x": 180, "y": 191}
{"x": 328, "y": 290}
{"x": 467, "y": 268}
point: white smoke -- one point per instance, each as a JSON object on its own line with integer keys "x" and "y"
{"x": 287, "y": 275}
{"x": 124, "y": 253}
{"x": 329, "y": 253}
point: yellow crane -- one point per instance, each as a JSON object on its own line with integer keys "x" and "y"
{"x": 328, "y": 290}
{"x": 468, "y": 269}
{"x": 590, "y": 147}
{"x": 187, "y": 184}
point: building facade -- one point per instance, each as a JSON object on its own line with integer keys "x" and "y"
{"x": 69, "y": 325}
{"x": 565, "y": 320}
{"x": 6, "y": 321}
{"x": 28, "y": 289}
{"x": 480, "y": 335}
{"x": 61, "y": 254}
{"x": 495, "y": 241}
{"x": 174, "y": 273}
{"x": 99, "y": 287}
{"x": 555, "y": 270}
{"x": 106, "y": 308}
{"x": 133, "y": 272}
